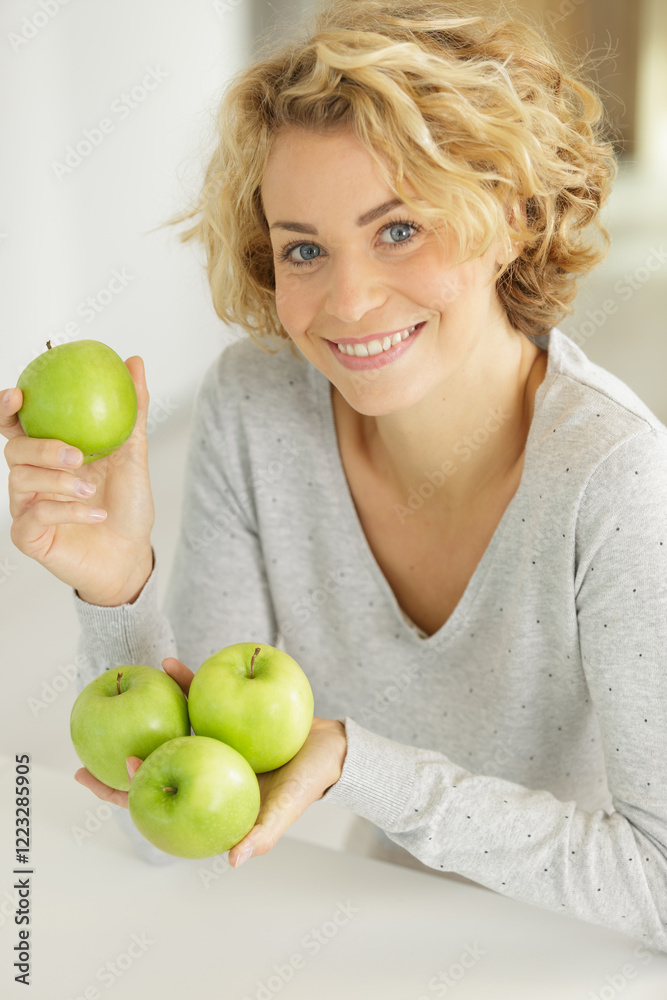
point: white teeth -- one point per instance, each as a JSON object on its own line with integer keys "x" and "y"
{"x": 372, "y": 347}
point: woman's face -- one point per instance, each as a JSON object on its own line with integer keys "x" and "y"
{"x": 349, "y": 264}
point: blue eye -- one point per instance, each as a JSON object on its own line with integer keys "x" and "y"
{"x": 301, "y": 247}
{"x": 311, "y": 252}
{"x": 399, "y": 226}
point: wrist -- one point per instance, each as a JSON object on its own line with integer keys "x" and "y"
{"x": 339, "y": 753}
{"x": 130, "y": 590}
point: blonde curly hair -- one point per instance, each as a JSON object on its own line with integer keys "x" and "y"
{"x": 479, "y": 114}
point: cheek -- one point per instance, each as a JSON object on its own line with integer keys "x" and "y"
{"x": 447, "y": 290}
{"x": 281, "y": 296}
{"x": 286, "y": 303}
{"x": 460, "y": 286}
{"x": 434, "y": 279}
{"x": 441, "y": 290}
{"x": 293, "y": 307}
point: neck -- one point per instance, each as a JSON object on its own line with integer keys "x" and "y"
{"x": 464, "y": 442}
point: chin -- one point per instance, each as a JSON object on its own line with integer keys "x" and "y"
{"x": 382, "y": 402}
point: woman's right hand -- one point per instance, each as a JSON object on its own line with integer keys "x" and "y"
{"x": 106, "y": 561}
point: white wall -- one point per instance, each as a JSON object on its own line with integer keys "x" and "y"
{"x": 150, "y": 71}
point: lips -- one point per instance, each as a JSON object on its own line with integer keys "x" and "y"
{"x": 374, "y": 345}
{"x": 380, "y": 358}
{"x": 372, "y": 336}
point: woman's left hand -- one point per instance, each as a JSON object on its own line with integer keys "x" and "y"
{"x": 285, "y": 793}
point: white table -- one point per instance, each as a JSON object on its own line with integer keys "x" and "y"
{"x": 302, "y": 922}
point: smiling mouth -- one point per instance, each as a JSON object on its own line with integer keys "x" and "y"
{"x": 379, "y": 346}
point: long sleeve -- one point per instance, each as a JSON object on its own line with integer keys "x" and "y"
{"x": 609, "y": 868}
{"x": 129, "y": 633}
{"x": 522, "y": 745}
{"x": 217, "y": 592}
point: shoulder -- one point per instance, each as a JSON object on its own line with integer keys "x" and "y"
{"x": 254, "y": 384}
{"x": 595, "y": 448}
{"x": 243, "y": 365}
{"x": 251, "y": 409}
{"x": 589, "y": 414}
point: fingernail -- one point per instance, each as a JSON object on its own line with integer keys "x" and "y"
{"x": 7, "y": 396}
{"x": 243, "y": 856}
{"x": 70, "y": 456}
{"x": 129, "y": 771}
{"x": 84, "y": 488}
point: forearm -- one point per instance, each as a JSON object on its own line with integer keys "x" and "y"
{"x": 524, "y": 844}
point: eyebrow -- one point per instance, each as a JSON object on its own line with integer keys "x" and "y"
{"x": 363, "y": 220}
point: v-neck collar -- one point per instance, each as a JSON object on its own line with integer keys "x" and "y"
{"x": 348, "y": 512}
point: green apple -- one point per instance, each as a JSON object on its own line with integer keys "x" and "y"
{"x": 257, "y": 699}
{"x": 194, "y": 797}
{"x": 126, "y": 712}
{"x": 80, "y": 393}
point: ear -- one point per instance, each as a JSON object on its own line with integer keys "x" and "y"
{"x": 517, "y": 221}
{"x": 511, "y": 249}
{"x": 506, "y": 251}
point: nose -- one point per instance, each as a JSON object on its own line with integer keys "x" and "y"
{"x": 355, "y": 288}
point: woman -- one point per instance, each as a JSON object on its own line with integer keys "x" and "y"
{"x": 451, "y": 518}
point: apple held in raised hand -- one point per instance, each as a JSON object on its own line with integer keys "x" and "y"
{"x": 126, "y": 712}
{"x": 255, "y": 698}
{"x": 194, "y": 797}
{"x": 80, "y": 393}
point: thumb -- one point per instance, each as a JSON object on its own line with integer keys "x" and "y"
{"x": 179, "y": 672}
{"x": 135, "y": 366}
{"x": 133, "y": 764}
{"x": 280, "y": 809}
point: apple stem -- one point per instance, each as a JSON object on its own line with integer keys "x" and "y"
{"x": 118, "y": 683}
{"x": 252, "y": 663}
{"x": 48, "y": 344}
{"x": 170, "y": 789}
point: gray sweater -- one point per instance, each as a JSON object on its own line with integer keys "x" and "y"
{"x": 524, "y": 744}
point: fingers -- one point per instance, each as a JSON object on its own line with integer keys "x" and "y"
{"x": 180, "y": 673}
{"x": 11, "y": 401}
{"x": 41, "y": 480}
{"x": 25, "y": 481}
{"x": 44, "y": 453}
{"x": 30, "y": 530}
{"x": 282, "y": 808}
{"x": 97, "y": 787}
{"x": 114, "y": 795}
{"x": 242, "y": 851}
{"x": 133, "y": 765}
